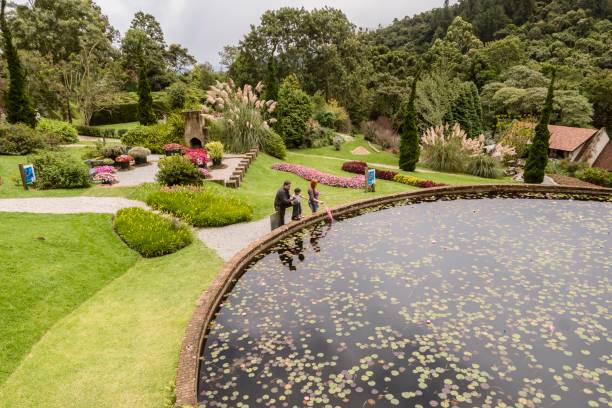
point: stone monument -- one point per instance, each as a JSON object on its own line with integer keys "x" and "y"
{"x": 194, "y": 135}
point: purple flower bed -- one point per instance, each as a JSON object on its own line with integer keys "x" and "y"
{"x": 105, "y": 169}
{"x": 322, "y": 178}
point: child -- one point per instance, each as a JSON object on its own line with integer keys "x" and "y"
{"x": 297, "y": 205}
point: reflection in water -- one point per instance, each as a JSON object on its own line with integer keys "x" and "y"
{"x": 473, "y": 303}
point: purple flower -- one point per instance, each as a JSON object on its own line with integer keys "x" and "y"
{"x": 105, "y": 169}
{"x": 322, "y": 178}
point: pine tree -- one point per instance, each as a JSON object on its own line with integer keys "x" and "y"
{"x": 271, "y": 82}
{"x": 409, "y": 145}
{"x": 538, "y": 152}
{"x": 146, "y": 116}
{"x": 475, "y": 113}
{"x": 18, "y": 105}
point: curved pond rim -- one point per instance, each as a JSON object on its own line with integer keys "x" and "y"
{"x": 208, "y": 303}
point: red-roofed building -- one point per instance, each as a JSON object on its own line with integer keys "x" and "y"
{"x": 591, "y": 146}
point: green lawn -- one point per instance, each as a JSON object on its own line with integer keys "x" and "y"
{"x": 85, "y": 321}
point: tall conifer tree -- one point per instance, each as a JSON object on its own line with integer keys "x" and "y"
{"x": 146, "y": 116}
{"x": 409, "y": 144}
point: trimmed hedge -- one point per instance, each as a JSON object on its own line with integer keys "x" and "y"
{"x": 96, "y": 132}
{"x": 125, "y": 112}
{"x": 149, "y": 234}
{"x": 153, "y": 137}
{"x": 207, "y": 206}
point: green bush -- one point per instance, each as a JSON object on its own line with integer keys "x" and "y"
{"x": 484, "y": 166}
{"x": 19, "y": 139}
{"x": 65, "y": 130}
{"x": 273, "y": 145}
{"x": 215, "y": 151}
{"x": 564, "y": 167}
{"x": 317, "y": 136}
{"x": 293, "y": 110}
{"x": 152, "y": 137}
{"x": 59, "y": 170}
{"x": 178, "y": 170}
{"x": 150, "y": 234}
{"x": 113, "y": 151}
{"x": 595, "y": 175}
{"x": 208, "y": 206}
{"x": 96, "y": 132}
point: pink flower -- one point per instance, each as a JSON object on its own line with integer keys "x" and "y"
{"x": 124, "y": 158}
{"x": 204, "y": 173}
{"x": 198, "y": 157}
{"x": 173, "y": 146}
{"x": 323, "y": 178}
{"x": 105, "y": 169}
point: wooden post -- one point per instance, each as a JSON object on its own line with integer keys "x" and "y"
{"x": 366, "y": 179}
{"x": 23, "y": 177}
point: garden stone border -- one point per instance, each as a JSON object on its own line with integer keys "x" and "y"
{"x": 208, "y": 303}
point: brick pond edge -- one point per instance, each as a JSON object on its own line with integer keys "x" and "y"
{"x": 208, "y": 303}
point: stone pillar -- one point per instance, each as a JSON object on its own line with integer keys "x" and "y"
{"x": 194, "y": 137}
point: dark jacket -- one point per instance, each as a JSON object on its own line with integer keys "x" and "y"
{"x": 282, "y": 199}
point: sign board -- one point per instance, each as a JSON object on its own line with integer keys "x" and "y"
{"x": 371, "y": 177}
{"x": 29, "y": 174}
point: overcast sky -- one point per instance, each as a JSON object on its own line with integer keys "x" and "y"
{"x": 205, "y": 26}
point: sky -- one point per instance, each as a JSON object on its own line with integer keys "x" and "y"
{"x": 206, "y": 26}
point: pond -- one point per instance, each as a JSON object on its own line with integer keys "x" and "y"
{"x": 453, "y": 303}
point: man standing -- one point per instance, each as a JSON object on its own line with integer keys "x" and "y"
{"x": 282, "y": 201}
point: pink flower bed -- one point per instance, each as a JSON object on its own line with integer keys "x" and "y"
{"x": 105, "y": 169}
{"x": 322, "y": 178}
{"x": 199, "y": 157}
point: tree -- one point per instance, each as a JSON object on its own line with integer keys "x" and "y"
{"x": 178, "y": 58}
{"x": 293, "y": 110}
{"x": 538, "y": 152}
{"x": 148, "y": 24}
{"x": 461, "y": 33}
{"x": 271, "y": 81}
{"x": 409, "y": 144}
{"x": 599, "y": 89}
{"x": 18, "y": 105}
{"x": 146, "y": 116}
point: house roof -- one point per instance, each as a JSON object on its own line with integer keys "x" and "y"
{"x": 566, "y": 138}
{"x": 605, "y": 158}
{"x": 569, "y": 138}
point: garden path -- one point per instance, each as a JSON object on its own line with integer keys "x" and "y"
{"x": 68, "y": 205}
{"x": 229, "y": 240}
{"x": 139, "y": 175}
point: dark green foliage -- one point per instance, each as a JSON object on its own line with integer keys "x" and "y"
{"x": 128, "y": 111}
{"x": 409, "y": 142}
{"x": 538, "y": 152}
{"x": 18, "y": 106}
{"x": 19, "y": 139}
{"x": 467, "y": 110}
{"x": 178, "y": 170}
{"x": 294, "y": 109}
{"x": 154, "y": 137}
{"x": 595, "y": 175}
{"x": 64, "y": 130}
{"x": 485, "y": 166}
{"x": 96, "y": 132}
{"x": 208, "y": 206}
{"x": 150, "y": 234}
{"x": 146, "y": 116}
{"x": 59, "y": 170}
{"x": 271, "y": 81}
{"x": 599, "y": 89}
{"x": 273, "y": 145}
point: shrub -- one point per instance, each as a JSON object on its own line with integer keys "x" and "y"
{"x": 97, "y": 132}
{"x": 294, "y": 109}
{"x": 19, "y": 139}
{"x": 152, "y": 137}
{"x": 274, "y": 145}
{"x": 216, "y": 129}
{"x": 322, "y": 178}
{"x": 518, "y": 136}
{"x": 215, "y": 150}
{"x": 381, "y": 132}
{"x": 537, "y": 158}
{"x": 124, "y": 158}
{"x": 484, "y": 166}
{"x": 448, "y": 149}
{"x": 112, "y": 151}
{"x": 338, "y": 142}
{"x": 150, "y": 234}
{"x": 565, "y": 167}
{"x": 413, "y": 181}
{"x": 59, "y": 170}
{"x": 65, "y": 130}
{"x": 208, "y": 206}
{"x": 139, "y": 153}
{"x": 595, "y": 175}
{"x": 316, "y": 135}
{"x": 178, "y": 170}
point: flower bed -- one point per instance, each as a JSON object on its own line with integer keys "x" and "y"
{"x": 199, "y": 157}
{"x": 104, "y": 169}
{"x": 359, "y": 167}
{"x": 105, "y": 178}
{"x": 322, "y": 178}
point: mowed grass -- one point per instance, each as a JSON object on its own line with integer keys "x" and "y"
{"x": 119, "y": 126}
{"x": 49, "y": 265}
{"x": 117, "y": 348}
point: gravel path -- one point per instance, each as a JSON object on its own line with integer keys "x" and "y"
{"x": 68, "y": 205}
{"x": 139, "y": 175}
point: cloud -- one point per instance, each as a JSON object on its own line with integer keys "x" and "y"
{"x": 206, "y": 26}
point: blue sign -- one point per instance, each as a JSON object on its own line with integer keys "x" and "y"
{"x": 30, "y": 175}
{"x": 371, "y": 177}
